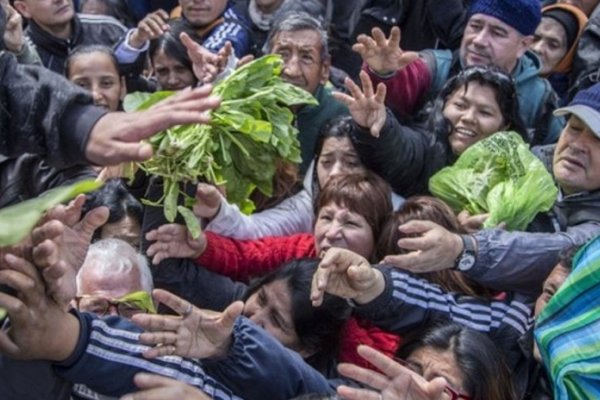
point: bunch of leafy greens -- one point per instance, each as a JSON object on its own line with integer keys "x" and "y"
{"x": 500, "y": 176}
{"x": 248, "y": 132}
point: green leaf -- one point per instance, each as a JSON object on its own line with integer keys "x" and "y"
{"x": 191, "y": 221}
{"x": 171, "y": 190}
{"x": 17, "y": 221}
{"x": 248, "y": 133}
{"x": 138, "y": 101}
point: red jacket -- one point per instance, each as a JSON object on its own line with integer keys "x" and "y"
{"x": 243, "y": 259}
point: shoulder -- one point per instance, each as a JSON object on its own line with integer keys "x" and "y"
{"x": 101, "y": 20}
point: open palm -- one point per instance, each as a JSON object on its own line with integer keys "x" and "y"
{"x": 366, "y": 106}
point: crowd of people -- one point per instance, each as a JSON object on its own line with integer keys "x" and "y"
{"x": 350, "y": 281}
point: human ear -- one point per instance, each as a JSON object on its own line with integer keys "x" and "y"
{"x": 524, "y": 43}
{"x": 325, "y": 69}
{"x": 22, "y": 8}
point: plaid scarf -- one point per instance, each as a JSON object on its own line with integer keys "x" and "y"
{"x": 568, "y": 329}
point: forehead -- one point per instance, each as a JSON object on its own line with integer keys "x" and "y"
{"x": 551, "y": 27}
{"x": 557, "y": 276}
{"x": 304, "y": 39}
{"x": 338, "y": 145}
{"x": 481, "y": 94}
{"x": 160, "y": 57}
{"x": 94, "y": 282}
{"x": 438, "y": 362}
{"x": 96, "y": 61}
{"x": 279, "y": 296}
{"x": 492, "y": 22}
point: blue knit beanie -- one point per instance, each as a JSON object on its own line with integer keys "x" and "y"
{"x": 585, "y": 106}
{"x": 523, "y": 15}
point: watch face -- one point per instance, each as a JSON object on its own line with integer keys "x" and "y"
{"x": 466, "y": 261}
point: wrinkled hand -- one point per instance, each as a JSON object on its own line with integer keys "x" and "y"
{"x": 208, "y": 201}
{"x": 196, "y": 334}
{"x": 174, "y": 241}
{"x": 383, "y": 55}
{"x": 434, "y": 249}
{"x": 40, "y": 327}
{"x": 156, "y": 387}
{"x": 366, "y": 107}
{"x": 150, "y": 27}
{"x": 14, "y": 39}
{"x": 346, "y": 274}
{"x": 60, "y": 246}
{"x": 394, "y": 382}
{"x": 116, "y": 136}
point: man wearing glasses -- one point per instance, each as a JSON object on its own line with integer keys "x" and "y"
{"x": 114, "y": 280}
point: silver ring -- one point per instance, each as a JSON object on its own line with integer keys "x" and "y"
{"x": 188, "y": 310}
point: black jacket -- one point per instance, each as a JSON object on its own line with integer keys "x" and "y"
{"x": 404, "y": 156}
{"x": 86, "y": 30}
{"x": 29, "y": 175}
{"x": 43, "y": 113}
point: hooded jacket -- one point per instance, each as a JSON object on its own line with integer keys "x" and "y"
{"x": 559, "y": 77}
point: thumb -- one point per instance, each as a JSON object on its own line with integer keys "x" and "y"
{"x": 231, "y": 313}
{"x": 208, "y": 194}
{"x": 360, "y": 274}
{"x": 407, "y": 58}
{"x": 93, "y": 220}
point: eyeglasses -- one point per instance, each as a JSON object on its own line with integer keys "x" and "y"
{"x": 452, "y": 393}
{"x": 126, "y": 306}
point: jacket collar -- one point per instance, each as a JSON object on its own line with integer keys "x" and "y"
{"x": 52, "y": 43}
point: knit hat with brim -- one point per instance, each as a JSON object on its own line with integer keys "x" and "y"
{"x": 523, "y": 15}
{"x": 585, "y": 106}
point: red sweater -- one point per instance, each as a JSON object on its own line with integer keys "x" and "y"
{"x": 241, "y": 260}
{"x": 406, "y": 88}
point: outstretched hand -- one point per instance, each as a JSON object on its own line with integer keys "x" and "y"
{"x": 434, "y": 249}
{"x": 393, "y": 382}
{"x": 197, "y": 333}
{"x": 116, "y": 137}
{"x": 40, "y": 328}
{"x": 174, "y": 241}
{"x": 152, "y": 26}
{"x": 346, "y": 274}
{"x": 206, "y": 64}
{"x": 366, "y": 106}
{"x": 208, "y": 201}
{"x": 60, "y": 246}
{"x": 383, "y": 55}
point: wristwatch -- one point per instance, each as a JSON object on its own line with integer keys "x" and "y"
{"x": 467, "y": 257}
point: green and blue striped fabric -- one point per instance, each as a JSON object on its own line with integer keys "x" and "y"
{"x": 568, "y": 329}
